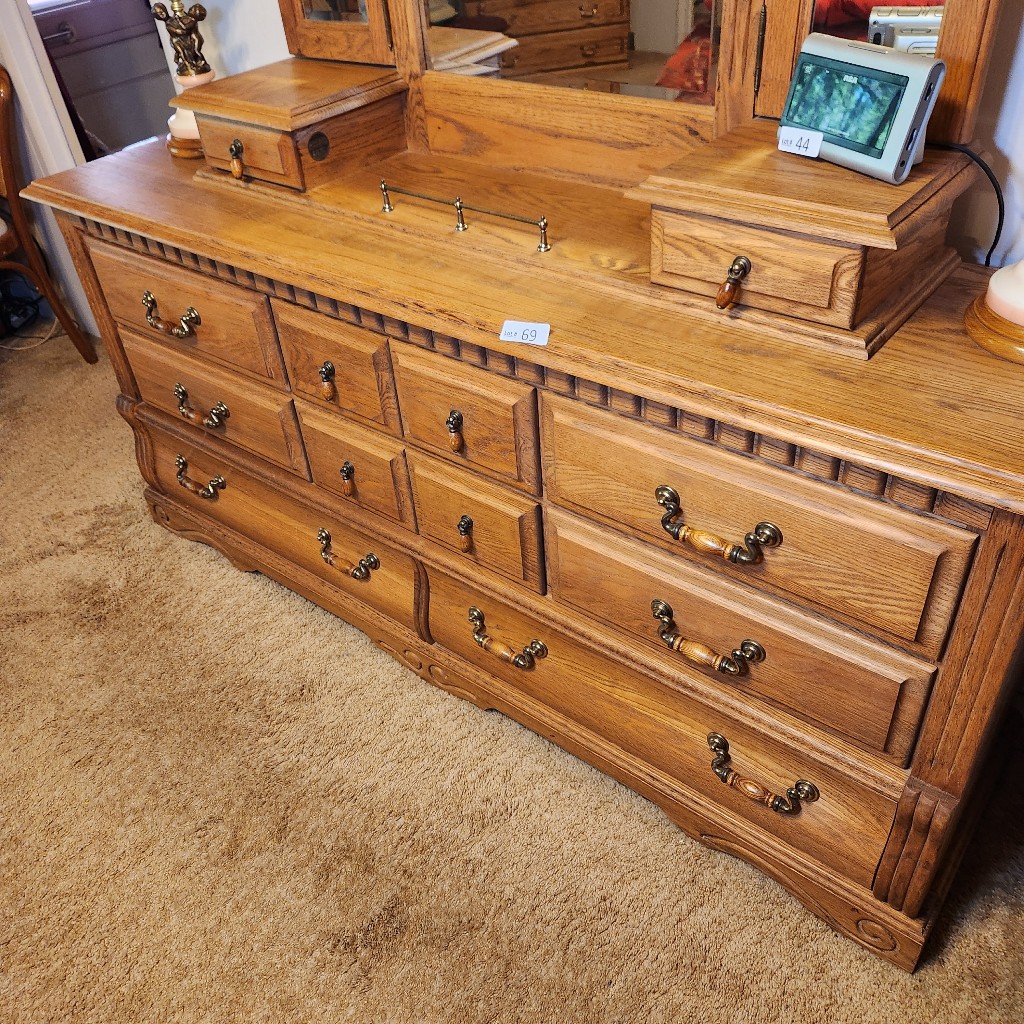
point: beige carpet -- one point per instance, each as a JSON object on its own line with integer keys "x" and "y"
{"x": 220, "y": 804}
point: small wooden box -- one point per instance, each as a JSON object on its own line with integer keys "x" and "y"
{"x": 297, "y": 122}
{"x": 827, "y": 246}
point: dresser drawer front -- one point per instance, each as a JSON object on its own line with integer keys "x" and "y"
{"x": 822, "y": 673}
{"x": 482, "y": 522}
{"x": 257, "y": 418}
{"x": 357, "y": 464}
{"x": 236, "y": 327}
{"x": 525, "y": 19}
{"x": 696, "y": 252}
{"x": 262, "y": 513}
{"x": 469, "y": 417}
{"x": 338, "y": 365}
{"x": 554, "y": 51}
{"x": 864, "y": 560}
{"x": 265, "y": 154}
{"x": 846, "y": 827}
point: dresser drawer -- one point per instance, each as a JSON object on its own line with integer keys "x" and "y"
{"x": 250, "y": 415}
{"x": 360, "y": 565}
{"x": 789, "y": 273}
{"x": 262, "y": 153}
{"x": 822, "y": 673}
{"x": 469, "y": 416}
{"x": 866, "y": 561}
{"x": 525, "y": 19}
{"x": 339, "y": 365}
{"x": 485, "y": 523}
{"x": 233, "y": 326}
{"x": 357, "y": 464}
{"x": 611, "y": 704}
{"x": 555, "y": 51}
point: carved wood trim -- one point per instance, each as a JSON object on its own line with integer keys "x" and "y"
{"x": 764, "y": 448}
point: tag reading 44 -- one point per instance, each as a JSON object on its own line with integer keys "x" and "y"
{"x": 525, "y": 332}
{"x": 801, "y": 141}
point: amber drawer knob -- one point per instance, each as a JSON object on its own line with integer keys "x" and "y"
{"x": 729, "y": 293}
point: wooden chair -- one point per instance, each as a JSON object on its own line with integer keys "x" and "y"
{"x": 15, "y": 230}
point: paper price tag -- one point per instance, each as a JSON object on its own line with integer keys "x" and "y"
{"x": 801, "y": 141}
{"x": 524, "y": 332}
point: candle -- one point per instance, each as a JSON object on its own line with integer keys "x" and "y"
{"x": 1006, "y": 293}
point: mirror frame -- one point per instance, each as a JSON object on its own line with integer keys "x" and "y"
{"x": 368, "y": 42}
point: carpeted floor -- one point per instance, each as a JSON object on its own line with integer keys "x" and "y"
{"x": 220, "y": 804}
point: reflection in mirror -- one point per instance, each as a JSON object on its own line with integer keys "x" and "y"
{"x": 335, "y": 10}
{"x": 660, "y": 49}
{"x": 912, "y": 26}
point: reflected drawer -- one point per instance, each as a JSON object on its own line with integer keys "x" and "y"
{"x": 338, "y": 365}
{"x": 255, "y": 417}
{"x": 488, "y": 524}
{"x": 356, "y": 563}
{"x": 525, "y": 19}
{"x": 233, "y": 325}
{"x": 820, "y": 672}
{"x": 357, "y": 464}
{"x": 604, "y": 703}
{"x": 555, "y": 51}
{"x": 838, "y": 550}
{"x": 469, "y": 416}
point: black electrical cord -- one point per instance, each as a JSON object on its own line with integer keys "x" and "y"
{"x": 967, "y": 151}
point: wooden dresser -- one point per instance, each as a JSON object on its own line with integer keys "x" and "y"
{"x": 771, "y": 584}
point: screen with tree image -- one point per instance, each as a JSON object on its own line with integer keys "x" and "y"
{"x": 852, "y": 106}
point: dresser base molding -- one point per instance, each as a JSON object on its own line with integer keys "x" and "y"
{"x": 848, "y": 909}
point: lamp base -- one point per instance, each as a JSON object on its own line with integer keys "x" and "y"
{"x": 186, "y": 149}
{"x": 993, "y": 332}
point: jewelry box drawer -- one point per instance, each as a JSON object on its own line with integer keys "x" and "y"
{"x": 357, "y": 464}
{"x": 748, "y": 642}
{"x": 788, "y": 273}
{"x": 260, "y": 152}
{"x": 322, "y": 543}
{"x": 524, "y": 19}
{"x": 835, "y": 549}
{"x": 338, "y": 365}
{"x": 605, "y": 706}
{"x": 488, "y": 524}
{"x": 250, "y": 415}
{"x": 469, "y": 416}
{"x": 555, "y": 51}
{"x": 190, "y": 311}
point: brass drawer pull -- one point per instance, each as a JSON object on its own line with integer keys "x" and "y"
{"x": 588, "y": 51}
{"x": 764, "y": 535}
{"x": 454, "y": 425}
{"x": 327, "y": 385}
{"x": 729, "y": 293}
{"x": 524, "y": 660}
{"x": 235, "y": 151}
{"x": 348, "y": 483}
{"x": 801, "y": 791}
{"x": 184, "y": 328}
{"x": 213, "y": 419}
{"x": 465, "y": 528}
{"x": 208, "y": 491}
{"x": 693, "y": 651}
{"x": 584, "y": 13}
{"x": 360, "y": 571}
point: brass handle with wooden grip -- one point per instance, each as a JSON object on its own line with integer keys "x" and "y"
{"x": 764, "y": 535}
{"x": 696, "y": 653}
{"x": 729, "y": 293}
{"x": 360, "y": 571}
{"x": 212, "y": 420}
{"x": 184, "y": 328}
{"x": 208, "y": 490}
{"x": 328, "y": 389}
{"x": 454, "y": 423}
{"x": 588, "y": 51}
{"x": 348, "y": 482}
{"x": 465, "y": 530}
{"x": 524, "y": 659}
{"x": 800, "y": 792}
{"x": 235, "y": 152}
{"x": 584, "y": 13}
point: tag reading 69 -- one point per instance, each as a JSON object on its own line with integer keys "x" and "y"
{"x": 524, "y": 332}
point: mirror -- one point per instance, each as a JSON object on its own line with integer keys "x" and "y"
{"x": 658, "y": 49}
{"x": 336, "y": 10}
